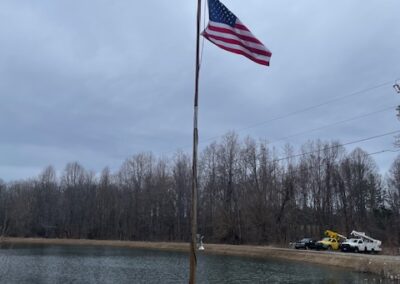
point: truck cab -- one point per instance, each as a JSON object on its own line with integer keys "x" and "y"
{"x": 361, "y": 243}
{"x": 353, "y": 245}
{"x": 331, "y": 241}
{"x": 327, "y": 243}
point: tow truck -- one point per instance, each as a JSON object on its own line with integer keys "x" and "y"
{"x": 332, "y": 241}
{"x": 361, "y": 243}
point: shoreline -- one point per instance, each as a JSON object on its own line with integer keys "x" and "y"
{"x": 385, "y": 266}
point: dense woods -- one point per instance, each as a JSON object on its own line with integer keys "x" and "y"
{"x": 247, "y": 195}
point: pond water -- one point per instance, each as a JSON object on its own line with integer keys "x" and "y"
{"x": 87, "y": 264}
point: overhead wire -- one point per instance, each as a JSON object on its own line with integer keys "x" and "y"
{"x": 339, "y": 98}
{"x": 202, "y": 141}
{"x": 337, "y": 146}
{"x": 367, "y": 154}
{"x": 332, "y": 124}
{"x": 384, "y": 151}
{"x": 202, "y": 38}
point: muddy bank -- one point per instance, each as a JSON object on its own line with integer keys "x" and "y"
{"x": 385, "y": 266}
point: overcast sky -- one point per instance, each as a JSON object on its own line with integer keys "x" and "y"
{"x": 97, "y": 81}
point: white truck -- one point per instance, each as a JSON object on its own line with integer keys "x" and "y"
{"x": 361, "y": 243}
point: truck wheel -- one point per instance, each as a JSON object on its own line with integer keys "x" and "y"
{"x": 356, "y": 250}
{"x": 329, "y": 248}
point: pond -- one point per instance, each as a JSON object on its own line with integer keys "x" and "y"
{"x": 90, "y": 264}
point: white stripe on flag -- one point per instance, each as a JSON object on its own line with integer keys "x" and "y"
{"x": 225, "y": 26}
{"x": 231, "y": 36}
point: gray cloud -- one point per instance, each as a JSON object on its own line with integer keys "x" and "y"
{"x": 97, "y": 81}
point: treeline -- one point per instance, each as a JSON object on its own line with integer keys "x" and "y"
{"x": 247, "y": 194}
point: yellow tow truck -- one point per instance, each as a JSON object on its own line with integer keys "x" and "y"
{"x": 331, "y": 241}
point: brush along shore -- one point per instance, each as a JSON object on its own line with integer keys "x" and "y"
{"x": 383, "y": 265}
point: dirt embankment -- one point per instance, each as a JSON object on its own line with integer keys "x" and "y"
{"x": 383, "y": 265}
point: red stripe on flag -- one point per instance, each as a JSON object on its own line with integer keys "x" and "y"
{"x": 237, "y": 51}
{"x": 238, "y": 42}
{"x": 232, "y": 32}
{"x": 241, "y": 27}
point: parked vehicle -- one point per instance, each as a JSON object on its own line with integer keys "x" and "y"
{"x": 331, "y": 241}
{"x": 362, "y": 243}
{"x": 306, "y": 243}
{"x": 353, "y": 245}
{"x": 327, "y": 244}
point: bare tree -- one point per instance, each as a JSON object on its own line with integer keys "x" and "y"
{"x": 246, "y": 195}
{"x": 394, "y": 200}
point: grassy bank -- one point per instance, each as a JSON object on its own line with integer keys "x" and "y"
{"x": 382, "y": 265}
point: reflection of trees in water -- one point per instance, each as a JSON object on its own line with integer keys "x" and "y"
{"x": 5, "y": 263}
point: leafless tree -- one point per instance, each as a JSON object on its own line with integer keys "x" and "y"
{"x": 247, "y": 194}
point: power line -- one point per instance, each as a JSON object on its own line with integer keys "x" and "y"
{"x": 367, "y": 154}
{"x": 202, "y": 38}
{"x": 339, "y": 145}
{"x": 306, "y": 109}
{"x": 333, "y": 124}
{"x": 383, "y": 151}
{"x": 202, "y": 141}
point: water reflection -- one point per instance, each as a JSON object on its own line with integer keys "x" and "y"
{"x": 82, "y": 264}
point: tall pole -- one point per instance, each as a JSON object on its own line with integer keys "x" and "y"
{"x": 193, "y": 258}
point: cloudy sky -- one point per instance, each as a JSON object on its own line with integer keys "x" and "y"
{"x": 97, "y": 81}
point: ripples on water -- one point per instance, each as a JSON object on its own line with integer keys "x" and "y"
{"x": 83, "y": 264}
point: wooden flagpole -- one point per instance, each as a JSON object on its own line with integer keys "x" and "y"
{"x": 193, "y": 243}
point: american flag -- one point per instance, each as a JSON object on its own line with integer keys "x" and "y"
{"x": 227, "y": 31}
